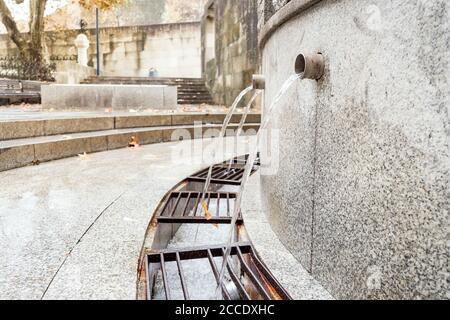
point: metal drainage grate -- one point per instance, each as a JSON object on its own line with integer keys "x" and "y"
{"x": 222, "y": 175}
{"x": 185, "y": 207}
{"x": 242, "y": 160}
{"x": 226, "y": 175}
{"x": 249, "y": 279}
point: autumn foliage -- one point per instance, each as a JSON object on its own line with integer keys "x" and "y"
{"x": 101, "y": 4}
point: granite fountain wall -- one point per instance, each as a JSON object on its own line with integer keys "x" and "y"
{"x": 361, "y": 197}
{"x": 229, "y": 47}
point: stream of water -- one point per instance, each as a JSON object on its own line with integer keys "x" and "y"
{"x": 243, "y": 120}
{"x": 248, "y": 170}
{"x": 221, "y": 136}
{"x": 199, "y": 278}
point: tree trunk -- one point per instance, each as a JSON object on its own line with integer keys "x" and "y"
{"x": 31, "y": 63}
{"x": 12, "y": 29}
{"x": 36, "y": 44}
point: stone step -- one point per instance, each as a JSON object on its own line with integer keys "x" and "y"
{"x": 148, "y": 80}
{"x": 193, "y": 90}
{"x": 195, "y": 102}
{"x": 170, "y": 83}
{"x": 22, "y": 152}
{"x": 194, "y": 96}
{"x": 19, "y": 129}
{"x": 191, "y": 87}
{"x": 145, "y": 78}
{"x": 187, "y": 83}
{"x": 190, "y": 90}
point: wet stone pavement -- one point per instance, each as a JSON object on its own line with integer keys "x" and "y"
{"x": 74, "y": 228}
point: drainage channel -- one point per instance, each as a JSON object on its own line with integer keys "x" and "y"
{"x": 183, "y": 207}
{"x": 227, "y": 173}
{"x": 253, "y": 281}
{"x": 188, "y": 248}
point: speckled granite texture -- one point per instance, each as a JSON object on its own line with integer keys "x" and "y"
{"x": 281, "y": 263}
{"x": 74, "y": 228}
{"x": 362, "y": 194}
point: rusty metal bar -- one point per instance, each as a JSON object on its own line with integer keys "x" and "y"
{"x": 228, "y": 205}
{"x": 261, "y": 278}
{"x": 259, "y": 286}
{"x": 196, "y": 204}
{"x": 230, "y": 173}
{"x": 198, "y": 220}
{"x": 204, "y": 173}
{"x": 215, "y": 171}
{"x": 178, "y": 213}
{"x": 236, "y": 280}
{"x": 216, "y": 275}
{"x": 183, "y": 214}
{"x": 238, "y": 172}
{"x": 208, "y": 199}
{"x": 165, "y": 206}
{"x": 196, "y": 253}
{"x": 164, "y": 276}
{"x": 269, "y": 276}
{"x": 216, "y": 181}
{"x": 172, "y": 213}
{"x": 218, "y": 206}
{"x": 220, "y": 173}
{"x": 150, "y": 279}
{"x": 240, "y": 176}
{"x": 183, "y": 281}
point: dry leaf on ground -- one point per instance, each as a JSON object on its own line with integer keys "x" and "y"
{"x": 208, "y": 214}
{"x": 134, "y": 142}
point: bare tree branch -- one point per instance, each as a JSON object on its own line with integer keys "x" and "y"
{"x": 11, "y": 27}
{"x": 37, "y": 10}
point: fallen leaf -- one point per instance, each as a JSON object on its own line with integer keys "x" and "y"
{"x": 133, "y": 143}
{"x": 208, "y": 214}
{"x": 108, "y": 110}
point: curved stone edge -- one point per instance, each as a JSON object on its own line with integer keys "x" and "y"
{"x": 289, "y": 11}
{"x": 287, "y": 270}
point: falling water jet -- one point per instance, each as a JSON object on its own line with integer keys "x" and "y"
{"x": 221, "y": 136}
{"x": 244, "y": 119}
{"x": 248, "y": 169}
{"x": 306, "y": 67}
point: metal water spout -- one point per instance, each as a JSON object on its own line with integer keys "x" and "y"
{"x": 311, "y": 66}
{"x": 259, "y": 82}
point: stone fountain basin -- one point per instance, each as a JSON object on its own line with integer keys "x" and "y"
{"x": 98, "y": 97}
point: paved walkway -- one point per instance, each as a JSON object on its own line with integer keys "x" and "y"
{"x": 74, "y": 228}
{"x": 35, "y": 112}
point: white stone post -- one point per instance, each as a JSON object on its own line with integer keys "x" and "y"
{"x": 82, "y": 44}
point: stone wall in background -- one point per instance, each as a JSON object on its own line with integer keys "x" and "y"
{"x": 361, "y": 196}
{"x": 173, "y": 49}
{"x": 145, "y": 12}
{"x": 133, "y": 13}
{"x": 229, "y": 47}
